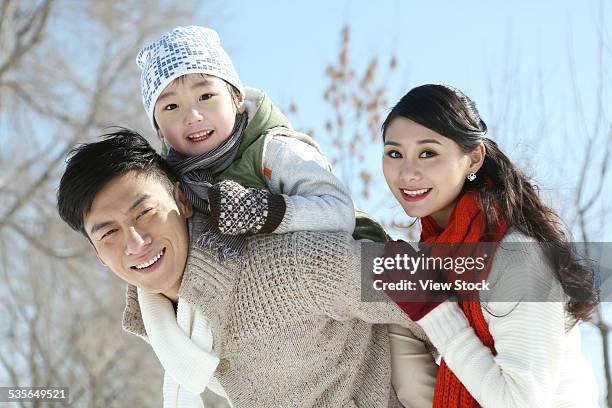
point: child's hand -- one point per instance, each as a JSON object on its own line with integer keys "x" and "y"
{"x": 238, "y": 210}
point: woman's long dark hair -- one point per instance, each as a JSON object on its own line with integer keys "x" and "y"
{"x": 510, "y": 194}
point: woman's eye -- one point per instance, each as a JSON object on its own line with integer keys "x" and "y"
{"x": 170, "y": 106}
{"x": 427, "y": 154}
{"x": 108, "y": 234}
{"x": 206, "y": 96}
{"x": 394, "y": 154}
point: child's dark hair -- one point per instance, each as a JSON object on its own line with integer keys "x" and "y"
{"x": 509, "y": 193}
{"x": 90, "y": 166}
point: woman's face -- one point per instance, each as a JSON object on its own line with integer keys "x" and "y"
{"x": 425, "y": 170}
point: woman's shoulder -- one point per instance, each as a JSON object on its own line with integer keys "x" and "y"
{"x": 522, "y": 271}
{"x": 518, "y": 246}
{"x": 515, "y": 235}
{"x": 520, "y": 249}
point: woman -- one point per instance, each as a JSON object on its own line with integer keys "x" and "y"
{"x": 443, "y": 169}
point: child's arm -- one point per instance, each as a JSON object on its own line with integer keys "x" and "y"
{"x": 303, "y": 195}
{"x": 316, "y": 200}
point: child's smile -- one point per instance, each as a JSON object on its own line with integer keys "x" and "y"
{"x": 196, "y": 113}
{"x": 200, "y": 135}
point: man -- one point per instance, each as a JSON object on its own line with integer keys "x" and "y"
{"x": 284, "y": 327}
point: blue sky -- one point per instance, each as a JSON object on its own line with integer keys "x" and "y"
{"x": 284, "y": 47}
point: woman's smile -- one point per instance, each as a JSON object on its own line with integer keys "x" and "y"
{"x": 414, "y": 195}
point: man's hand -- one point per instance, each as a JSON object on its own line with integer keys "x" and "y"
{"x": 237, "y": 210}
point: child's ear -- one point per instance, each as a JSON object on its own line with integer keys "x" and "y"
{"x": 477, "y": 157}
{"x": 185, "y": 207}
{"x": 240, "y": 104}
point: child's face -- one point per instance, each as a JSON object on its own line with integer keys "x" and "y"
{"x": 196, "y": 113}
{"x": 425, "y": 170}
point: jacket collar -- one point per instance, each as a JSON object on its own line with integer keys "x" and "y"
{"x": 263, "y": 116}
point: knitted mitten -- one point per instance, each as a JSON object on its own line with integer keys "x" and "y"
{"x": 236, "y": 210}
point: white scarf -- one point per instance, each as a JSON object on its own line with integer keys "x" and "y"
{"x": 183, "y": 345}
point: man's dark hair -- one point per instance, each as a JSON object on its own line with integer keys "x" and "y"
{"x": 89, "y": 166}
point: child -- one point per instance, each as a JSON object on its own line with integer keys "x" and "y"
{"x": 238, "y": 158}
{"x": 236, "y": 153}
{"x": 442, "y": 167}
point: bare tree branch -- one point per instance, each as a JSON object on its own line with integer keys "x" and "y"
{"x": 35, "y": 25}
{"x": 51, "y": 252}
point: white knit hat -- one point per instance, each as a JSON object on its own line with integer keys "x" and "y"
{"x": 184, "y": 50}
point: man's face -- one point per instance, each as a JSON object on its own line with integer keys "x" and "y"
{"x": 139, "y": 230}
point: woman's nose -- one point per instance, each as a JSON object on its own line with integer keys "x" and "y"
{"x": 410, "y": 173}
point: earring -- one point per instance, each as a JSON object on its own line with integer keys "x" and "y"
{"x": 471, "y": 177}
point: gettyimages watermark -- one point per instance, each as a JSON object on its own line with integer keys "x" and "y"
{"x": 486, "y": 272}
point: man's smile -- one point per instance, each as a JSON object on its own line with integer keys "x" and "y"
{"x": 151, "y": 264}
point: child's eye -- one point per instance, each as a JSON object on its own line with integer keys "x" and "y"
{"x": 426, "y": 154}
{"x": 170, "y": 106}
{"x": 206, "y": 96}
{"x": 394, "y": 154}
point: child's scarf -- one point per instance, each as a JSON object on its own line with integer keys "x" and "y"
{"x": 466, "y": 224}
{"x": 197, "y": 175}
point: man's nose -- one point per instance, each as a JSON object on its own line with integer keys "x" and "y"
{"x": 136, "y": 241}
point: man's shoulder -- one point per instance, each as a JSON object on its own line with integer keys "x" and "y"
{"x": 305, "y": 246}
{"x": 309, "y": 247}
{"x": 196, "y": 225}
{"x": 308, "y": 237}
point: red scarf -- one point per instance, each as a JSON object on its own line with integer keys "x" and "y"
{"x": 466, "y": 224}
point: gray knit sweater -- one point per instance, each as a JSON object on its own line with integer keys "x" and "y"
{"x": 289, "y": 326}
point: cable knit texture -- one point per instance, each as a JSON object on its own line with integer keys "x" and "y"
{"x": 289, "y": 327}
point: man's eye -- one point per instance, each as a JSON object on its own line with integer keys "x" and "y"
{"x": 108, "y": 234}
{"x": 426, "y": 154}
{"x": 144, "y": 212}
{"x": 170, "y": 106}
{"x": 394, "y": 154}
{"x": 206, "y": 96}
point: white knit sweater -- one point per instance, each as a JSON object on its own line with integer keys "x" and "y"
{"x": 538, "y": 363}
